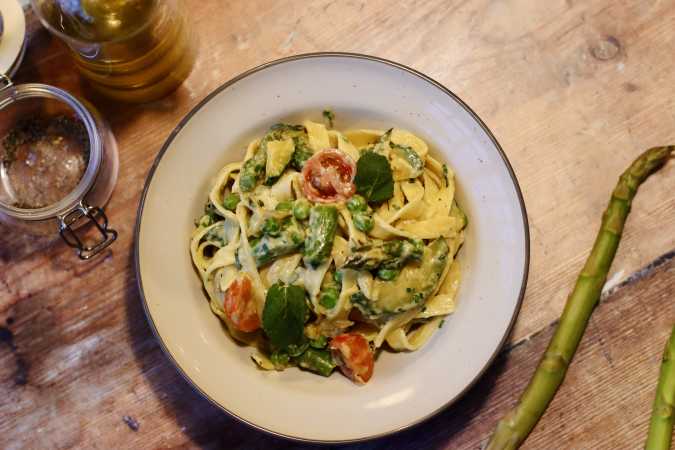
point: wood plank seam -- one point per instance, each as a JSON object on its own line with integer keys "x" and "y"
{"x": 606, "y": 296}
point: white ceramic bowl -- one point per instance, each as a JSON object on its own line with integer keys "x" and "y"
{"x": 406, "y": 388}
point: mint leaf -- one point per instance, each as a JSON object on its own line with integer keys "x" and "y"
{"x": 373, "y": 178}
{"x": 284, "y": 315}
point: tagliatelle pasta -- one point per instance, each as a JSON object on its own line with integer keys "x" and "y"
{"x": 322, "y": 247}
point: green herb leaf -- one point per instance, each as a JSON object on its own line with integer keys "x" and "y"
{"x": 284, "y": 315}
{"x": 374, "y": 178}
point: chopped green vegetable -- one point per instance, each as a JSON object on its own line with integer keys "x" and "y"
{"x": 216, "y": 235}
{"x": 279, "y": 154}
{"x": 318, "y": 361}
{"x": 289, "y": 240}
{"x": 455, "y": 211}
{"x": 252, "y": 170}
{"x": 301, "y": 154}
{"x": 284, "y": 206}
{"x": 337, "y": 277}
{"x": 374, "y": 179}
{"x": 440, "y": 325}
{"x": 301, "y": 209}
{"x": 231, "y": 201}
{"x": 237, "y": 261}
{"x": 254, "y": 167}
{"x": 411, "y": 157}
{"x": 297, "y": 350}
{"x": 387, "y": 274}
{"x": 445, "y": 175}
{"x": 382, "y": 142}
{"x": 329, "y": 116}
{"x": 203, "y": 221}
{"x": 392, "y": 254}
{"x": 410, "y": 289}
{"x": 284, "y": 315}
{"x": 211, "y": 212}
{"x": 319, "y": 342}
{"x": 321, "y": 233}
{"x": 280, "y": 359}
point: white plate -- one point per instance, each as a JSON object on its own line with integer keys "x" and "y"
{"x": 405, "y": 388}
{"x": 12, "y": 40}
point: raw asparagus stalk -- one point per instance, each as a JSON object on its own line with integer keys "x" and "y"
{"x": 516, "y": 425}
{"x": 661, "y": 423}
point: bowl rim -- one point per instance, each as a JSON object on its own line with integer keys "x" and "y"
{"x": 302, "y": 56}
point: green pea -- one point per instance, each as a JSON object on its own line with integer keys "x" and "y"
{"x": 271, "y": 227}
{"x": 387, "y": 274}
{"x": 337, "y": 277}
{"x": 301, "y": 209}
{"x": 328, "y": 298}
{"x": 363, "y": 222}
{"x": 357, "y": 204}
{"x": 284, "y": 206}
{"x": 231, "y": 201}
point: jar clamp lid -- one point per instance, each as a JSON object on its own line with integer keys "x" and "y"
{"x": 73, "y": 209}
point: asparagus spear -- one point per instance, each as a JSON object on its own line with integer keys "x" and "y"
{"x": 515, "y": 426}
{"x": 321, "y": 233}
{"x": 408, "y": 291}
{"x": 274, "y": 244}
{"x": 319, "y": 361}
{"x": 411, "y": 157}
{"x": 388, "y": 255}
{"x": 254, "y": 167}
{"x": 661, "y": 423}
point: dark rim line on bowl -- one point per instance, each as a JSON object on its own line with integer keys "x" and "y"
{"x": 229, "y": 83}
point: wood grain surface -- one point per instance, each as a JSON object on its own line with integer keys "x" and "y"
{"x": 572, "y": 90}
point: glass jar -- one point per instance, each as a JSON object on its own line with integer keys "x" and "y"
{"x": 129, "y": 50}
{"x": 58, "y": 165}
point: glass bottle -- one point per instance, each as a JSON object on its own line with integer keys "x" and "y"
{"x": 130, "y": 50}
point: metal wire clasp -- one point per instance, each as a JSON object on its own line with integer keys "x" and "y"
{"x": 69, "y": 221}
{"x": 5, "y": 81}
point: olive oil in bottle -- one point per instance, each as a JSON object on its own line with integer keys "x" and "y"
{"x": 130, "y": 50}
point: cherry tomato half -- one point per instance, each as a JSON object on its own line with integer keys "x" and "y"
{"x": 328, "y": 176}
{"x": 240, "y": 306}
{"x": 353, "y": 355}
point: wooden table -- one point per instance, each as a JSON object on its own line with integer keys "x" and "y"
{"x": 573, "y": 91}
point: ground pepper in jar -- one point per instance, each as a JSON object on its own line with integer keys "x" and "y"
{"x": 43, "y": 160}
